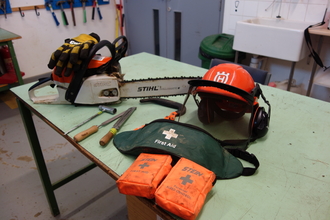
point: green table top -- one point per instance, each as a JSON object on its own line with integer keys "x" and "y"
{"x": 293, "y": 180}
{"x": 7, "y": 35}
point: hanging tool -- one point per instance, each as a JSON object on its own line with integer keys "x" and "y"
{"x": 72, "y": 11}
{"x": 93, "y": 10}
{"x": 113, "y": 131}
{"x": 96, "y": 5}
{"x": 53, "y": 13}
{"x": 98, "y": 9}
{"x": 65, "y": 20}
{"x": 84, "y": 134}
{"x": 3, "y": 7}
{"x": 83, "y": 2}
{"x": 120, "y": 17}
{"x": 102, "y": 109}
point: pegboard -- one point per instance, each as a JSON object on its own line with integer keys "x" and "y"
{"x": 76, "y": 3}
{"x": 7, "y": 7}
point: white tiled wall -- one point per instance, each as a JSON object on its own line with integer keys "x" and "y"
{"x": 303, "y": 10}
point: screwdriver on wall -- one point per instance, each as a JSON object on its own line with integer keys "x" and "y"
{"x": 102, "y": 109}
{"x": 53, "y": 13}
{"x": 65, "y": 20}
{"x": 83, "y": 2}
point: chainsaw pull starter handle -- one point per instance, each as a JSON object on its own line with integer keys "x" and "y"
{"x": 84, "y": 134}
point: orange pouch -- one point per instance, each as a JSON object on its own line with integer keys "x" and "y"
{"x": 145, "y": 174}
{"x": 184, "y": 190}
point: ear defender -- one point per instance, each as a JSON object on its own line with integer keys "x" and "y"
{"x": 259, "y": 123}
{"x": 206, "y": 111}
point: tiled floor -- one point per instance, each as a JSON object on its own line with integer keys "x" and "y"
{"x": 93, "y": 195}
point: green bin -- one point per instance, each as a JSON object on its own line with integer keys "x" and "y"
{"x": 216, "y": 46}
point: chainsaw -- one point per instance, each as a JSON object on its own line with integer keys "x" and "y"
{"x": 100, "y": 81}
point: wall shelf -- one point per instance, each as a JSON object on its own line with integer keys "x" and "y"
{"x": 6, "y": 38}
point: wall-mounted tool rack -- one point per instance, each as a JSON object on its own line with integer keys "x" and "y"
{"x": 76, "y": 3}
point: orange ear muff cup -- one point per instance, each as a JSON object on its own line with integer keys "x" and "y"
{"x": 206, "y": 111}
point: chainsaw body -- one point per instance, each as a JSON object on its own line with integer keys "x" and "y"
{"x": 96, "y": 89}
{"x": 100, "y": 81}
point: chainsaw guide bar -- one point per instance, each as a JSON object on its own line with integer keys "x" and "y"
{"x": 102, "y": 88}
{"x": 155, "y": 87}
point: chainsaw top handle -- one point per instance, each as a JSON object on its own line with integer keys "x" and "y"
{"x": 77, "y": 80}
{"x": 121, "y": 48}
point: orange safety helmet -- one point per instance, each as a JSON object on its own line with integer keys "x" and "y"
{"x": 228, "y": 104}
{"x": 230, "y": 91}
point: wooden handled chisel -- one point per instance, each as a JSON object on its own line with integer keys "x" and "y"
{"x": 113, "y": 131}
{"x": 84, "y": 134}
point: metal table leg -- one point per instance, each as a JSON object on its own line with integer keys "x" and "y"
{"x": 236, "y": 56}
{"x": 38, "y": 157}
{"x": 291, "y": 75}
{"x": 15, "y": 63}
{"x": 48, "y": 186}
{"x": 311, "y": 79}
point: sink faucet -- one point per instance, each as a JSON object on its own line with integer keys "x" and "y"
{"x": 279, "y": 11}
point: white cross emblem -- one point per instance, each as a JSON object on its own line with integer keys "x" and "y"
{"x": 170, "y": 134}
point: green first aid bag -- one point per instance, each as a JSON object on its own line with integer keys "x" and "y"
{"x": 191, "y": 142}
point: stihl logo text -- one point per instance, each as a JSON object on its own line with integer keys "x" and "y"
{"x": 102, "y": 84}
{"x": 148, "y": 88}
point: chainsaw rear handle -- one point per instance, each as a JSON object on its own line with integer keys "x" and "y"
{"x": 77, "y": 79}
{"x": 42, "y": 82}
{"x": 53, "y": 99}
